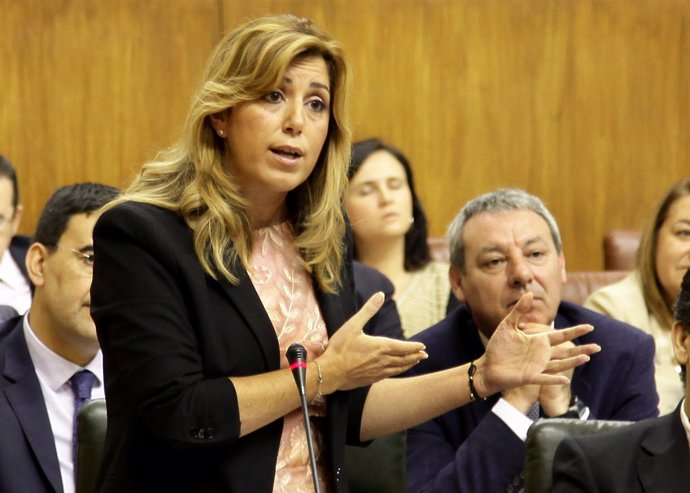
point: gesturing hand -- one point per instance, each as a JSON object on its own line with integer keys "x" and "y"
{"x": 354, "y": 359}
{"x": 514, "y": 358}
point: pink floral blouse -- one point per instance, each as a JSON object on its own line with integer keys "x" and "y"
{"x": 286, "y": 291}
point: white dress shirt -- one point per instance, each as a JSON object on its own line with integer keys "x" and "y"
{"x": 53, "y": 372}
{"x": 685, "y": 420}
{"x": 14, "y": 288}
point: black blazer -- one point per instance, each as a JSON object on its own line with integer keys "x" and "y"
{"x": 28, "y": 459}
{"x": 171, "y": 335}
{"x": 647, "y": 457}
{"x": 18, "y": 248}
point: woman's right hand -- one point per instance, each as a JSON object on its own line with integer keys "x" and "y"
{"x": 354, "y": 359}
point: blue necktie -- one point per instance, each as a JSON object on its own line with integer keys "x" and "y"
{"x": 82, "y": 383}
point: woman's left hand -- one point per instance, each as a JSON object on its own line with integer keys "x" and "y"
{"x": 354, "y": 359}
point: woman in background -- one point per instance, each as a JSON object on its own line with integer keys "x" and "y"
{"x": 390, "y": 233}
{"x": 646, "y": 296}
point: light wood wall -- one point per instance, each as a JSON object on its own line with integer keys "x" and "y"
{"x": 583, "y": 102}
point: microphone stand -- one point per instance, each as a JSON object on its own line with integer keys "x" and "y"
{"x": 297, "y": 357}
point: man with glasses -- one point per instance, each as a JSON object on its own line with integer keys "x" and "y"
{"x": 15, "y": 291}
{"x": 50, "y": 360}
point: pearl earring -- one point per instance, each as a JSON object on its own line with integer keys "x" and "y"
{"x": 221, "y": 133}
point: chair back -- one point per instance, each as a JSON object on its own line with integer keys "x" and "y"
{"x": 92, "y": 422}
{"x": 543, "y": 438}
{"x": 620, "y": 249}
{"x": 580, "y": 284}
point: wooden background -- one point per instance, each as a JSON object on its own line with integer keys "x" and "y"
{"x": 585, "y": 103}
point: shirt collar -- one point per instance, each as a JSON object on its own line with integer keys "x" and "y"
{"x": 52, "y": 368}
{"x": 685, "y": 420}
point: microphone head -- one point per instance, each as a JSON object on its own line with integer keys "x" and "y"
{"x": 296, "y": 352}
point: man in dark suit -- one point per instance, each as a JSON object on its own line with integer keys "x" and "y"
{"x": 652, "y": 456}
{"x": 42, "y": 350}
{"x": 15, "y": 288}
{"x": 503, "y": 245}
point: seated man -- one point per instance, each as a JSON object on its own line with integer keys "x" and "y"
{"x": 503, "y": 245}
{"x": 41, "y": 352}
{"x": 15, "y": 289}
{"x": 650, "y": 456}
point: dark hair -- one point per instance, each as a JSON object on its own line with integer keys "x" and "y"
{"x": 8, "y": 171}
{"x": 416, "y": 247}
{"x": 681, "y": 311}
{"x": 66, "y": 202}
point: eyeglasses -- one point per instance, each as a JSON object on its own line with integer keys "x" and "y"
{"x": 86, "y": 258}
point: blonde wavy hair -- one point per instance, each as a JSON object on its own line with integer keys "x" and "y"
{"x": 652, "y": 290}
{"x": 189, "y": 177}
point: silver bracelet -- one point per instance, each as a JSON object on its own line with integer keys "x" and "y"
{"x": 319, "y": 382}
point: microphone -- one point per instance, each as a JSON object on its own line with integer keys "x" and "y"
{"x": 297, "y": 357}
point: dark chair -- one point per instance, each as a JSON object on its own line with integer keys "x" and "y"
{"x": 620, "y": 249}
{"x": 91, "y": 425}
{"x": 543, "y": 438}
{"x": 378, "y": 468}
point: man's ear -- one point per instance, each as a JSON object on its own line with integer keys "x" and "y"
{"x": 456, "y": 283}
{"x": 35, "y": 263}
{"x": 680, "y": 337}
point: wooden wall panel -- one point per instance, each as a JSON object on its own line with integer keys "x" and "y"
{"x": 583, "y": 102}
{"x": 93, "y": 88}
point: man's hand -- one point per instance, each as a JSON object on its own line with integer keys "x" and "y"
{"x": 514, "y": 358}
{"x": 554, "y": 400}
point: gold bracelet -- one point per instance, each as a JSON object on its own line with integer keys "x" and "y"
{"x": 319, "y": 382}
{"x": 470, "y": 375}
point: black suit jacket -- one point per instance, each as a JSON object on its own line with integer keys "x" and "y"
{"x": 28, "y": 459}
{"x": 470, "y": 449}
{"x": 647, "y": 457}
{"x": 18, "y": 248}
{"x": 171, "y": 335}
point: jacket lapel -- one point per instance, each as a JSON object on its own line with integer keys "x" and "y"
{"x": 26, "y": 399}
{"x": 248, "y": 304}
{"x": 666, "y": 462}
